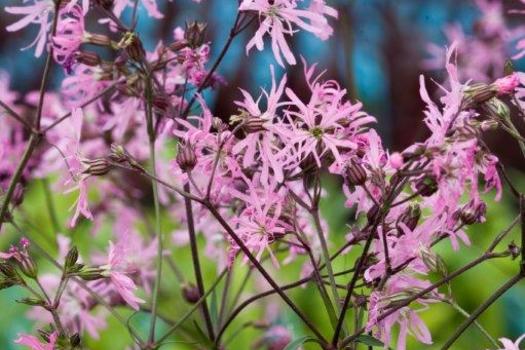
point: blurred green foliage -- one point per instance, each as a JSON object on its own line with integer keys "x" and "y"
{"x": 505, "y": 318}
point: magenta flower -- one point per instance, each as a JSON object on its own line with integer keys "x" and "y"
{"x": 509, "y": 344}
{"x": 33, "y": 343}
{"x": 37, "y": 13}
{"x": 278, "y": 20}
{"x": 117, "y": 270}
{"x": 508, "y": 84}
{"x": 262, "y": 144}
{"x": 69, "y": 35}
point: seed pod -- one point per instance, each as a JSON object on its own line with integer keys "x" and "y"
{"x": 186, "y": 157}
{"x": 410, "y": 217}
{"x": 426, "y": 186}
{"x": 133, "y": 46}
{"x": 88, "y": 58}
{"x": 253, "y": 125}
{"x": 191, "y": 294}
{"x": 91, "y": 274}
{"x": 97, "y": 167}
{"x": 355, "y": 173}
{"x": 177, "y": 45}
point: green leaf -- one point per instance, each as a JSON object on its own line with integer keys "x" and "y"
{"x": 368, "y": 340}
{"x": 300, "y": 341}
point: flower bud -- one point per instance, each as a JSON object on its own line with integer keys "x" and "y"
{"x": 97, "y": 39}
{"x": 514, "y": 250}
{"x": 91, "y": 273}
{"x": 88, "y": 58}
{"x": 191, "y": 294}
{"x": 496, "y": 108}
{"x": 133, "y": 46}
{"x": 473, "y": 212}
{"x": 433, "y": 261}
{"x": 31, "y": 302}
{"x": 71, "y": 258}
{"x": 118, "y": 154}
{"x": 507, "y": 85}
{"x": 97, "y": 167}
{"x": 478, "y": 93}
{"x": 426, "y": 186}
{"x": 186, "y": 157}
{"x": 161, "y": 102}
{"x": 253, "y": 125}
{"x": 410, "y": 217}
{"x": 28, "y": 266}
{"x": 195, "y": 34}
{"x": 355, "y": 173}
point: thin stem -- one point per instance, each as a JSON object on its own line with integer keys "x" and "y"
{"x": 156, "y": 289}
{"x": 463, "y": 327}
{"x": 17, "y": 117}
{"x": 462, "y": 311}
{"x": 326, "y": 256}
{"x": 174, "y": 327}
{"x": 50, "y": 206}
{"x": 263, "y": 271}
{"x": 196, "y": 262}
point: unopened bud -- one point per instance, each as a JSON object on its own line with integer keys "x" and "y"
{"x": 507, "y": 85}
{"x": 161, "y": 102}
{"x": 355, "y": 173}
{"x": 118, "y": 154}
{"x": 91, "y": 273}
{"x": 186, "y": 157}
{"x": 88, "y": 58}
{"x": 487, "y": 125}
{"x": 426, "y": 186}
{"x": 410, "y": 217}
{"x": 28, "y": 267}
{"x": 195, "y": 33}
{"x": 178, "y": 45}
{"x": 476, "y": 94}
{"x": 514, "y": 250}
{"x": 71, "y": 258}
{"x": 31, "y": 302}
{"x": 433, "y": 261}
{"x": 97, "y": 167}
{"x": 97, "y": 39}
{"x": 133, "y": 46}
{"x": 496, "y": 108}
{"x": 253, "y": 125}
{"x": 218, "y": 124}
{"x": 191, "y": 294}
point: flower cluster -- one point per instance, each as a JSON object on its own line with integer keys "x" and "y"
{"x": 134, "y": 129}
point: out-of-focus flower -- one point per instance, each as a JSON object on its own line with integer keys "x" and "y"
{"x": 279, "y": 18}
{"x": 509, "y": 344}
{"x": 34, "y": 343}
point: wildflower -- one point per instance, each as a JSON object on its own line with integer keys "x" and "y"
{"x": 260, "y": 143}
{"x": 37, "y": 13}
{"x": 69, "y": 35}
{"x": 509, "y": 344}
{"x": 117, "y": 272}
{"x": 33, "y": 343}
{"x": 508, "y": 84}
{"x": 278, "y": 20}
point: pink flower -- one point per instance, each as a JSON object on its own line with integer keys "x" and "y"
{"x": 509, "y": 344}
{"x": 261, "y": 144}
{"x": 396, "y": 160}
{"x": 69, "y": 35}
{"x": 278, "y": 20}
{"x": 508, "y": 84}
{"x": 116, "y": 270}
{"x": 398, "y": 287}
{"x": 33, "y": 343}
{"x": 37, "y": 13}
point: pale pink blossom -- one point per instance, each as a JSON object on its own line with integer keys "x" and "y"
{"x": 34, "y": 343}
